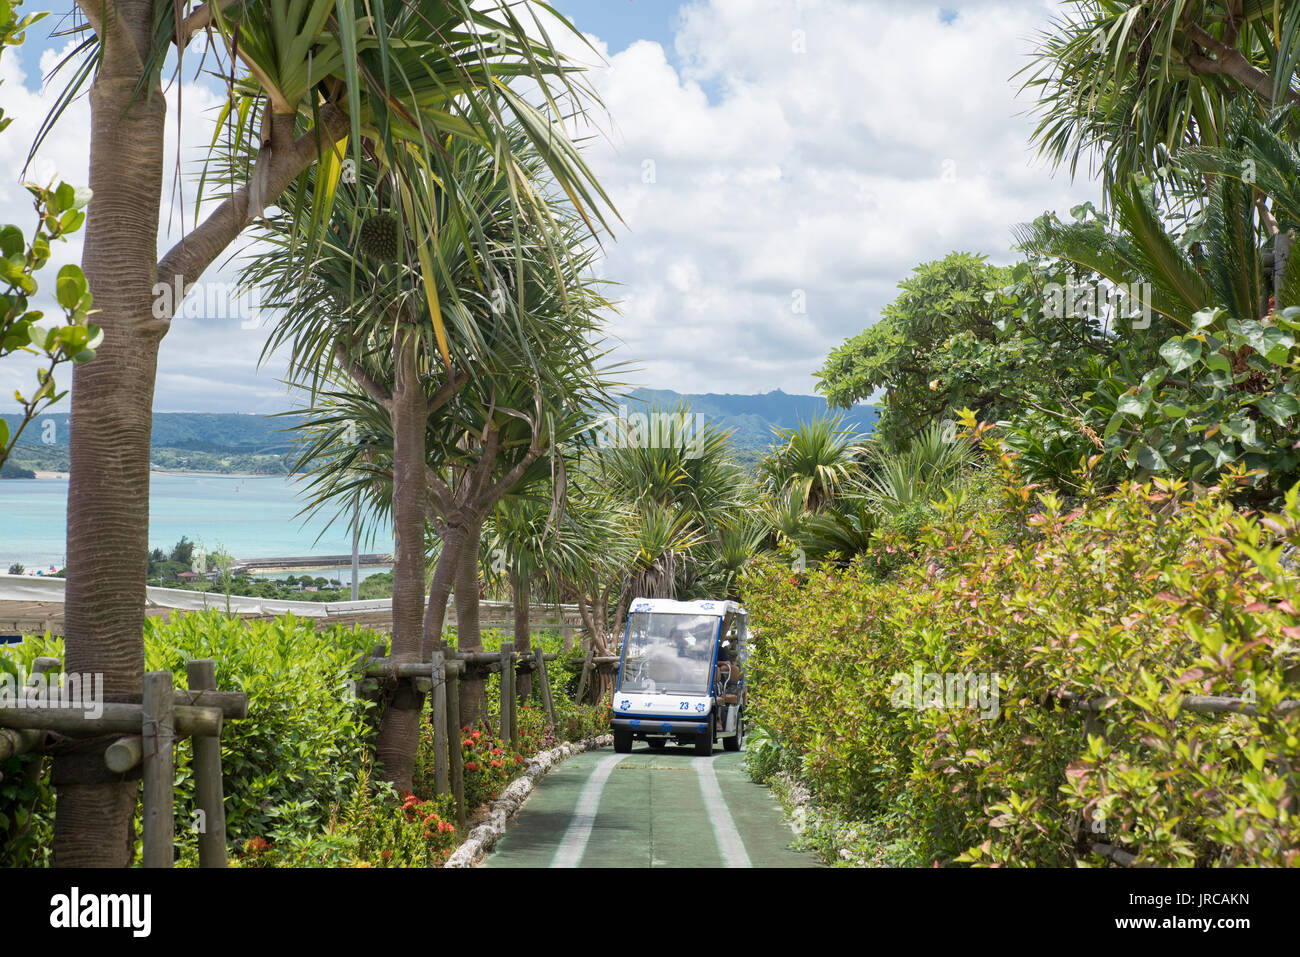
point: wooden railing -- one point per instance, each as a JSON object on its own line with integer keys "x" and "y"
{"x": 146, "y": 734}
{"x": 440, "y": 677}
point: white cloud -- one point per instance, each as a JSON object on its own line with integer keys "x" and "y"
{"x": 892, "y": 138}
{"x": 744, "y": 171}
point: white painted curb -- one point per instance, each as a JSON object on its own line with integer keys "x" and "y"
{"x": 484, "y": 837}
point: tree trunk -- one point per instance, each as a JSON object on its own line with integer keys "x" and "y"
{"x": 602, "y": 684}
{"x": 399, "y": 729}
{"x": 111, "y": 420}
{"x": 444, "y": 576}
{"x": 523, "y": 640}
{"x": 473, "y": 694}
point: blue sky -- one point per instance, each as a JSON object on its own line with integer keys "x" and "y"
{"x": 622, "y": 22}
{"x": 779, "y": 166}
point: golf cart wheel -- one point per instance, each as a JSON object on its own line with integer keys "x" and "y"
{"x": 704, "y": 744}
{"x": 622, "y": 741}
{"x": 737, "y": 741}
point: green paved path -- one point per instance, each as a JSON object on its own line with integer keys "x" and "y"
{"x": 647, "y": 809}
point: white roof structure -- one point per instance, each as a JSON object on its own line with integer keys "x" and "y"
{"x": 667, "y": 606}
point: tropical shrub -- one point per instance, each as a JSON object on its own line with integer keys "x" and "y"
{"x": 375, "y": 827}
{"x": 1137, "y": 598}
{"x": 286, "y": 766}
{"x": 292, "y": 759}
{"x": 1224, "y": 395}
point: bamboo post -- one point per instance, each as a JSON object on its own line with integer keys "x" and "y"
{"x": 208, "y": 785}
{"x": 454, "y": 751}
{"x": 544, "y": 681}
{"x": 21, "y": 740}
{"x": 507, "y": 688}
{"x": 514, "y": 704}
{"x": 158, "y": 740}
{"x": 124, "y": 753}
{"x": 440, "y": 735}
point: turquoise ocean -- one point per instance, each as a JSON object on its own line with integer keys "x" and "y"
{"x": 245, "y": 516}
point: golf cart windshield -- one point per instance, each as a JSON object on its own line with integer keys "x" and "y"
{"x": 669, "y": 653}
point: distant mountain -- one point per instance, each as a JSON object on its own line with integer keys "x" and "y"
{"x": 751, "y": 418}
{"x": 222, "y": 441}
{"x": 196, "y": 431}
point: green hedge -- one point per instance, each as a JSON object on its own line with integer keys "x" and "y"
{"x": 299, "y": 781}
{"x": 1145, "y": 595}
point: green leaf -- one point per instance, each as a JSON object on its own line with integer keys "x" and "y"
{"x": 1278, "y": 407}
{"x": 1135, "y": 402}
{"x": 1181, "y": 353}
{"x": 1151, "y": 459}
{"x": 71, "y": 286}
{"x": 63, "y": 197}
{"x": 12, "y": 242}
{"x": 1205, "y": 317}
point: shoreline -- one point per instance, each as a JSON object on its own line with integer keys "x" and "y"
{"x": 42, "y": 474}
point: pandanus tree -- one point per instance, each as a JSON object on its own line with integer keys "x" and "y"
{"x": 349, "y": 314}
{"x": 509, "y": 431}
{"x": 303, "y": 80}
{"x": 530, "y": 383}
{"x": 1127, "y": 82}
{"x": 813, "y": 462}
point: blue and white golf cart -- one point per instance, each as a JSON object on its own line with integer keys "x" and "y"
{"x": 681, "y": 677}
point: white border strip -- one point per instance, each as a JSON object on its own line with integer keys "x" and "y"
{"x": 724, "y": 828}
{"x": 484, "y": 837}
{"x": 574, "y": 843}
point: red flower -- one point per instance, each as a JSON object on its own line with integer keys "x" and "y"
{"x": 256, "y": 845}
{"x": 496, "y": 764}
{"x": 496, "y": 750}
{"x": 468, "y": 743}
{"x": 387, "y": 855}
{"x": 471, "y": 766}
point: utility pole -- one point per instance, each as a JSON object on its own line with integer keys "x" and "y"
{"x": 356, "y": 540}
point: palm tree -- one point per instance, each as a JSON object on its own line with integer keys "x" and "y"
{"x": 916, "y": 475}
{"x": 812, "y": 461}
{"x": 528, "y": 385}
{"x": 682, "y": 500}
{"x": 372, "y": 321}
{"x": 307, "y": 79}
{"x": 1222, "y": 264}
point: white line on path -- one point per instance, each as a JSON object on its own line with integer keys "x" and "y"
{"x": 724, "y": 828}
{"x": 569, "y": 853}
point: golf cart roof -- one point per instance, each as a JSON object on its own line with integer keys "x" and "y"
{"x": 667, "y": 606}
